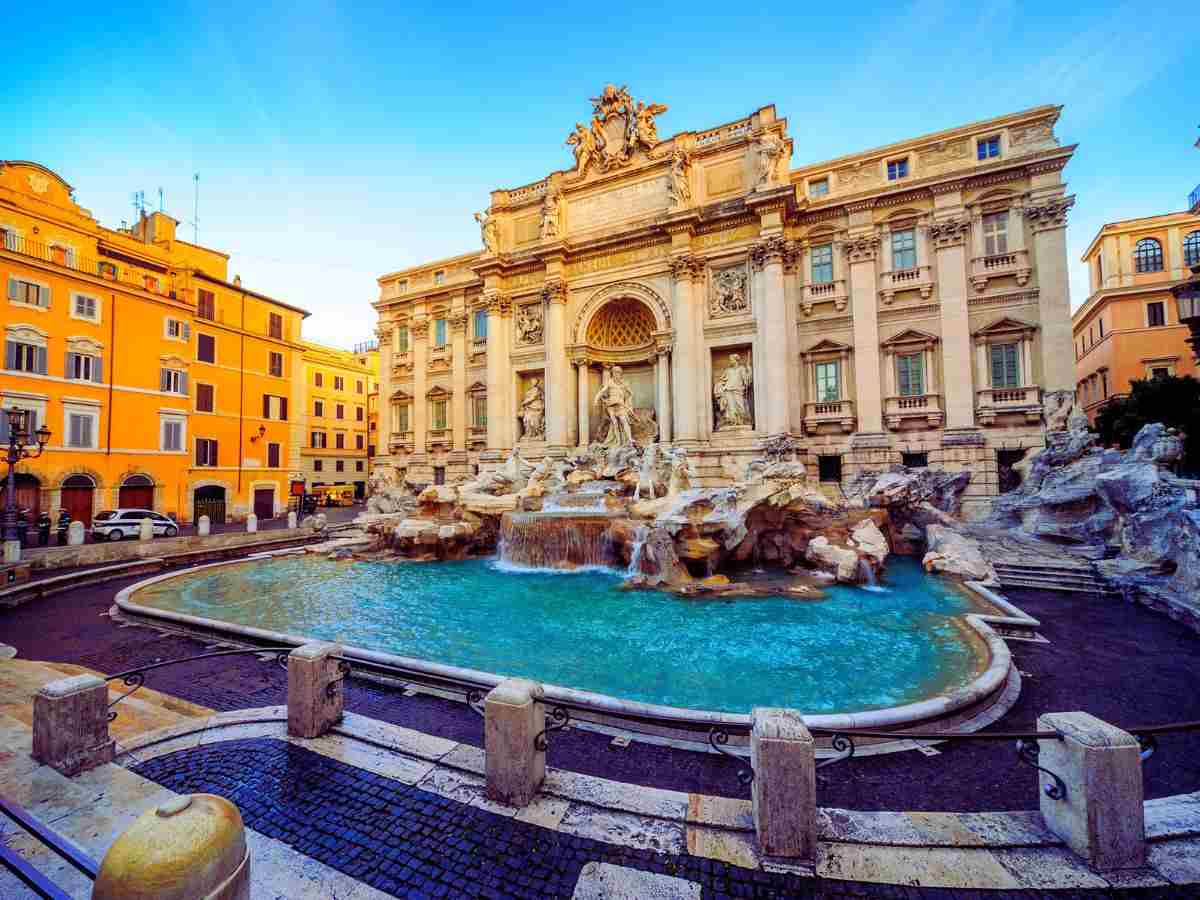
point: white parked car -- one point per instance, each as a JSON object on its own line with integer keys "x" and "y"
{"x": 118, "y": 524}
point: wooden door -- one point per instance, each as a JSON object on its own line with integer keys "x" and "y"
{"x": 136, "y": 496}
{"x": 28, "y": 494}
{"x": 264, "y": 503}
{"x": 78, "y": 502}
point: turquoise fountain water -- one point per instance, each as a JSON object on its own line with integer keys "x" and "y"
{"x": 859, "y": 649}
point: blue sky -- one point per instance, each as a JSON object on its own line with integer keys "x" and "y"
{"x": 335, "y": 143}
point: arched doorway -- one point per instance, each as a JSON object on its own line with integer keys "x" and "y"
{"x": 28, "y": 493}
{"x": 78, "y": 492}
{"x": 209, "y": 501}
{"x": 137, "y": 492}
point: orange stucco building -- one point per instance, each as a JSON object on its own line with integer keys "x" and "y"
{"x": 164, "y": 383}
{"x": 1129, "y": 327}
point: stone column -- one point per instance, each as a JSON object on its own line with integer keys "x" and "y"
{"x": 771, "y": 371}
{"x": 70, "y": 724}
{"x": 1049, "y": 222}
{"x": 497, "y": 372}
{"x": 584, "y": 406}
{"x": 662, "y": 371}
{"x": 785, "y": 783}
{"x": 558, "y": 367}
{"x": 949, "y": 238}
{"x": 513, "y": 718}
{"x": 385, "y": 334}
{"x": 313, "y": 707}
{"x": 861, "y": 252}
{"x": 1101, "y": 817}
{"x": 458, "y": 378}
{"x": 685, "y": 270}
{"x": 418, "y": 333}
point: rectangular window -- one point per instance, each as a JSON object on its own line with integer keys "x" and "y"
{"x": 822, "y": 264}
{"x": 480, "y": 325}
{"x": 275, "y": 326}
{"x": 897, "y": 169}
{"x": 1104, "y": 383}
{"x": 818, "y": 188}
{"x": 339, "y": 441}
{"x": 177, "y": 330}
{"x": 339, "y": 383}
{"x": 276, "y": 365}
{"x": 360, "y": 414}
{"x": 439, "y": 277}
{"x": 318, "y": 379}
{"x": 914, "y": 460}
{"x": 1159, "y": 373}
{"x": 21, "y": 291}
{"x": 83, "y": 367}
{"x": 340, "y": 465}
{"x": 988, "y": 148}
{"x": 358, "y": 386}
{"x": 339, "y": 411}
{"x": 401, "y": 285}
{"x": 904, "y": 249}
{"x": 401, "y": 340}
{"x": 31, "y": 424}
{"x": 81, "y": 429}
{"x": 319, "y": 409}
{"x": 400, "y": 416}
{"x": 829, "y": 381}
{"x": 206, "y": 452}
{"x": 995, "y": 233}
{"x": 204, "y": 398}
{"x": 22, "y": 357}
{"x": 1101, "y": 323}
{"x": 319, "y": 440}
{"x": 272, "y": 456}
{"x": 910, "y": 374}
{"x": 439, "y": 415}
{"x": 1156, "y": 314}
{"x": 358, "y": 465}
{"x": 439, "y": 474}
{"x": 172, "y": 435}
{"x": 206, "y": 305}
{"x": 358, "y": 442}
{"x": 439, "y": 332}
{"x": 829, "y": 468}
{"x": 480, "y": 412}
{"x": 86, "y": 307}
{"x": 318, "y": 465}
{"x": 1006, "y": 371}
{"x": 275, "y": 407}
{"x": 173, "y": 381}
{"x": 206, "y": 348}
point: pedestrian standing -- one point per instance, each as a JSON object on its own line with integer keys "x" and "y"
{"x": 43, "y": 526}
{"x": 64, "y": 522}
{"x": 22, "y": 526}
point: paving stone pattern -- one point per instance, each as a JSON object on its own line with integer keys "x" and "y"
{"x": 412, "y": 843}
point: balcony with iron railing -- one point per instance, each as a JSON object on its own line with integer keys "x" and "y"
{"x": 66, "y": 258}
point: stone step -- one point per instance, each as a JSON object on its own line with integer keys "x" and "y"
{"x": 1044, "y": 565}
{"x": 1041, "y": 572}
{"x": 1048, "y": 584}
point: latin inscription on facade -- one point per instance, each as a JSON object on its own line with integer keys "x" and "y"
{"x": 723, "y": 178}
{"x": 616, "y": 205}
{"x": 728, "y": 236}
{"x": 618, "y": 258}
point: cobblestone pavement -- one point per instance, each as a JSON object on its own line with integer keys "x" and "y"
{"x": 1123, "y": 663}
{"x": 411, "y": 843}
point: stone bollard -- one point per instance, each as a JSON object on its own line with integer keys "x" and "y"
{"x": 75, "y": 534}
{"x": 192, "y": 845}
{"x": 512, "y": 718}
{"x": 1101, "y": 818}
{"x": 784, "y": 790}
{"x": 70, "y": 724}
{"x": 292, "y": 519}
{"x": 203, "y": 526}
{"x": 12, "y": 552}
{"x": 313, "y": 707}
{"x": 251, "y": 523}
{"x": 145, "y": 530}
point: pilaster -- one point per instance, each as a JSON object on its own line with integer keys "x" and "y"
{"x": 771, "y": 370}
{"x": 498, "y": 376}
{"x": 687, "y": 273}
{"x": 861, "y": 252}
{"x": 1048, "y": 221}
{"x": 949, "y": 237}
{"x": 419, "y": 334}
{"x": 558, "y": 366}
{"x": 457, "y": 321}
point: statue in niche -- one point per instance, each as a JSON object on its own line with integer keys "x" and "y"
{"x": 679, "y": 189}
{"x": 533, "y": 412}
{"x": 529, "y": 324}
{"x": 617, "y": 399}
{"x": 732, "y": 394}
{"x": 770, "y": 149}
{"x": 550, "y": 215}
{"x": 488, "y": 231}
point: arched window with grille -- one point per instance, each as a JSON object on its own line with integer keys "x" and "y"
{"x": 1191, "y": 249}
{"x": 1147, "y": 255}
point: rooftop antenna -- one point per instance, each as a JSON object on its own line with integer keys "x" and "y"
{"x": 196, "y": 209}
{"x": 139, "y": 204}
{"x": 160, "y": 199}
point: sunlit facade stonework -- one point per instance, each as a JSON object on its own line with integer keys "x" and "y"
{"x": 908, "y": 303}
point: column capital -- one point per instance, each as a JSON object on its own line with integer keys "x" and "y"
{"x": 770, "y": 251}
{"x": 686, "y": 267}
{"x": 383, "y": 333}
{"x": 419, "y": 328}
{"x": 555, "y": 291}
{"x": 862, "y": 248}
{"x": 496, "y": 303}
{"x": 1049, "y": 215}
{"x": 950, "y": 232}
{"x": 457, "y": 320}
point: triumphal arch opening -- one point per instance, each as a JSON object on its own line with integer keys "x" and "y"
{"x": 906, "y": 304}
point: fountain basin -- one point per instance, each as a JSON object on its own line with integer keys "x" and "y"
{"x": 870, "y": 661}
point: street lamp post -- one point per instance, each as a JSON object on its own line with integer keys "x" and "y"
{"x": 1187, "y": 300}
{"x": 18, "y": 449}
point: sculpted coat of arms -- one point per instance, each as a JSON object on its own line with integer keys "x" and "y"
{"x": 619, "y": 128}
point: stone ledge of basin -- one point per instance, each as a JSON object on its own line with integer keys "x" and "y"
{"x": 55, "y": 583}
{"x": 987, "y": 683}
{"x": 1016, "y": 616}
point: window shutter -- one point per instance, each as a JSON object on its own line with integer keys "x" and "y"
{"x": 997, "y": 365}
{"x": 187, "y": 331}
{"x": 10, "y": 355}
{"x": 98, "y": 369}
{"x": 69, "y": 366}
{"x": 283, "y": 409}
{"x": 74, "y": 431}
{"x": 39, "y": 360}
{"x": 14, "y": 290}
{"x": 44, "y": 297}
{"x": 266, "y": 406}
{"x": 162, "y": 380}
{"x": 183, "y": 382}
{"x": 3, "y": 426}
{"x": 87, "y": 430}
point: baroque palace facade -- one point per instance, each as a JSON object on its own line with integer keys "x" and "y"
{"x": 908, "y": 303}
{"x": 166, "y": 385}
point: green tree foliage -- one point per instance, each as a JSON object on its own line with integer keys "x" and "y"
{"x": 1172, "y": 400}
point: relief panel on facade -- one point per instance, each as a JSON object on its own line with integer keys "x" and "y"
{"x": 529, "y": 324}
{"x": 733, "y": 389}
{"x": 618, "y": 204}
{"x": 729, "y": 292}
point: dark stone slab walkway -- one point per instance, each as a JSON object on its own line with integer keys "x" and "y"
{"x": 1120, "y": 662}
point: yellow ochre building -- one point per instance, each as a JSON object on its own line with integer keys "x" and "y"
{"x": 337, "y": 386}
{"x": 164, "y": 383}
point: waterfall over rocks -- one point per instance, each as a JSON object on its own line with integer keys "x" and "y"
{"x": 557, "y": 540}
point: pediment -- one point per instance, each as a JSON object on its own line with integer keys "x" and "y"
{"x": 400, "y": 394}
{"x": 1005, "y": 325}
{"x": 477, "y": 388}
{"x": 829, "y": 346}
{"x": 437, "y": 391}
{"x": 910, "y": 336}
{"x": 174, "y": 362}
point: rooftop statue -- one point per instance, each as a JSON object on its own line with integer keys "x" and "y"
{"x": 618, "y": 129}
